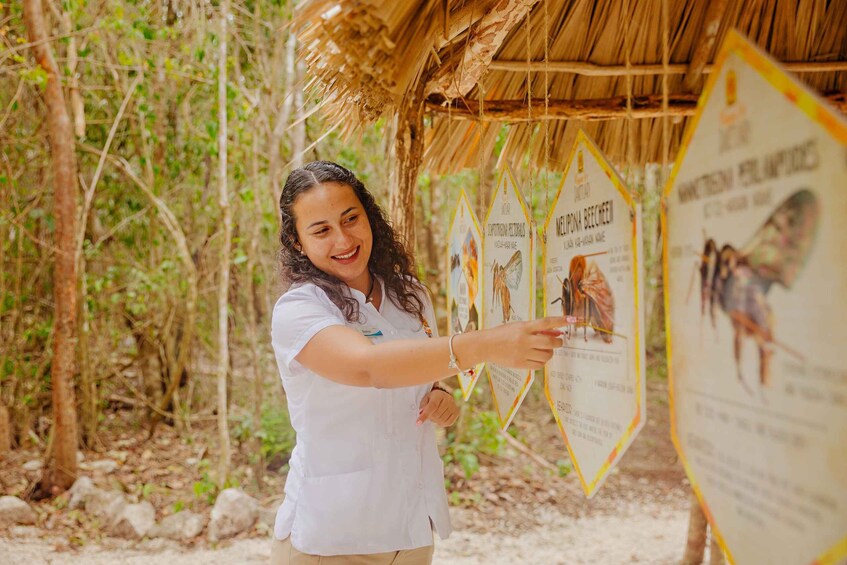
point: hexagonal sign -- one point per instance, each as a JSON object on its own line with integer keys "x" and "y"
{"x": 755, "y": 287}
{"x": 595, "y": 383}
{"x": 509, "y": 286}
{"x": 464, "y": 283}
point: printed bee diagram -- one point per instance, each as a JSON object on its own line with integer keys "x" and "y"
{"x": 595, "y": 383}
{"x": 755, "y": 287}
{"x": 464, "y": 281}
{"x": 509, "y": 289}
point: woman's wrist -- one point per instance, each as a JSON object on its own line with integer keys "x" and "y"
{"x": 469, "y": 349}
{"x": 438, "y": 386}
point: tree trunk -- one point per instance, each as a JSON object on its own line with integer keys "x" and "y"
{"x": 409, "y": 143}
{"x": 62, "y": 471}
{"x": 87, "y": 384}
{"x": 695, "y": 547}
{"x": 253, "y": 257}
{"x": 77, "y": 104}
{"x": 226, "y": 244}
{"x": 431, "y": 237}
{"x": 298, "y": 136}
{"x": 5, "y": 440}
{"x": 5, "y": 430}
{"x": 280, "y": 114}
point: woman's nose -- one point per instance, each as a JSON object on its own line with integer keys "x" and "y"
{"x": 343, "y": 240}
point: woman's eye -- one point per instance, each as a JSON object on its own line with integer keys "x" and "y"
{"x": 351, "y": 219}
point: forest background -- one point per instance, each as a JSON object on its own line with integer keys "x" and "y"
{"x": 185, "y": 125}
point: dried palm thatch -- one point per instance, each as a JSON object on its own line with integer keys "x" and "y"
{"x": 483, "y": 62}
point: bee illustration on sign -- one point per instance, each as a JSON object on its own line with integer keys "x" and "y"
{"x": 470, "y": 269}
{"x": 738, "y": 280}
{"x": 505, "y": 279}
{"x": 587, "y": 299}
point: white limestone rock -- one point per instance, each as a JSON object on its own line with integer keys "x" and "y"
{"x": 14, "y": 511}
{"x": 81, "y": 491}
{"x": 108, "y": 505}
{"x": 134, "y": 521}
{"x": 267, "y": 518}
{"x": 180, "y": 526}
{"x": 34, "y": 465}
{"x": 234, "y": 512}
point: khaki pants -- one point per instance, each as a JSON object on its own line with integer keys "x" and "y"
{"x": 283, "y": 553}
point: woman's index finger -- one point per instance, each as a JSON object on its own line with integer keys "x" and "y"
{"x": 549, "y": 323}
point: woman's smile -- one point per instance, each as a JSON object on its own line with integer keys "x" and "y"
{"x": 347, "y": 258}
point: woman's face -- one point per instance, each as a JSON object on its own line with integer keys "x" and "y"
{"x": 334, "y": 232}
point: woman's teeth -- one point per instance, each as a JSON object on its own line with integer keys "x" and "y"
{"x": 349, "y": 255}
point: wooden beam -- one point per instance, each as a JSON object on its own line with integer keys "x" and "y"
{"x": 456, "y": 78}
{"x": 586, "y": 109}
{"x": 594, "y": 70}
{"x": 590, "y": 110}
{"x": 705, "y": 43}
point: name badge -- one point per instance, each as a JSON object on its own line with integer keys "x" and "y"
{"x": 371, "y": 332}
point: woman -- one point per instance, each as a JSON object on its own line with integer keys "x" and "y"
{"x": 366, "y": 484}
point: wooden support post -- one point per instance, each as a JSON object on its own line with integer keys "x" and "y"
{"x": 409, "y": 140}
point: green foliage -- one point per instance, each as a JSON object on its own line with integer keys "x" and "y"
{"x": 564, "y": 467}
{"x": 147, "y": 489}
{"x": 276, "y": 434}
{"x": 35, "y": 76}
{"x": 477, "y": 432}
{"x": 205, "y": 489}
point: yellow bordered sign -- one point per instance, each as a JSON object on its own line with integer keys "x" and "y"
{"x": 595, "y": 383}
{"x": 509, "y": 286}
{"x": 754, "y": 210}
{"x": 464, "y": 281}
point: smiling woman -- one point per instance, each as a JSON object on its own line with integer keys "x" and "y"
{"x": 352, "y": 342}
{"x": 327, "y": 214}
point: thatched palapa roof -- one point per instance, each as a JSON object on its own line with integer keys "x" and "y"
{"x": 367, "y": 57}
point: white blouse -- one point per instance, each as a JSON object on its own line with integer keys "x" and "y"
{"x": 363, "y": 477}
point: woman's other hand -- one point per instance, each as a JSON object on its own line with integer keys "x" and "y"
{"x": 439, "y": 407}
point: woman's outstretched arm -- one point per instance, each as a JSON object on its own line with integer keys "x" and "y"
{"x": 343, "y": 355}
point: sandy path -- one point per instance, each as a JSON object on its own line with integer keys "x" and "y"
{"x": 637, "y": 534}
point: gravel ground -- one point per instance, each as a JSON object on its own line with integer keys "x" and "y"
{"x": 638, "y": 533}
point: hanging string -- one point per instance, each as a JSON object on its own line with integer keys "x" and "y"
{"x": 630, "y": 132}
{"x": 665, "y": 68}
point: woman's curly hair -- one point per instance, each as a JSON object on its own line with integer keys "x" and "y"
{"x": 389, "y": 259}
